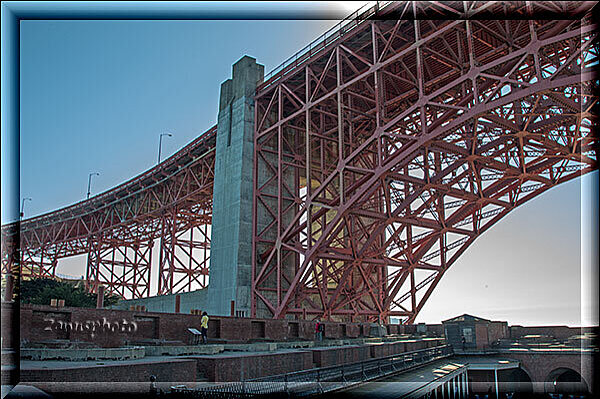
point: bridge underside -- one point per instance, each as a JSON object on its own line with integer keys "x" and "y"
{"x": 383, "y": 157}
{"x": 167, "y": 209}
{"x": 380, "y": 155}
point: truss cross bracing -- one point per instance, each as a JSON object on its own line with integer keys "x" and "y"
{"x": 381, "y": 153}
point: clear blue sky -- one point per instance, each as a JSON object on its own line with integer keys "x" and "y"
{"x": 95, "y": 95}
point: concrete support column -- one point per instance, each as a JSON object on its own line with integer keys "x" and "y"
{"x": 231, "y": 232}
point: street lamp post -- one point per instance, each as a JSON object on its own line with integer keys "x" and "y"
{"x": 23, "y": 206}
{"x": 90, "y": 182}
{"x": 160, "y": 143}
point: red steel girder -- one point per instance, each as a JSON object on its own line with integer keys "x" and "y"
{"x": 117, "y": 228}
{"x": 185, "y": 251}
{"x": 383, "y": 155}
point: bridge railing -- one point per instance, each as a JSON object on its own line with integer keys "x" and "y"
{"x": 115, "y": 193}
{"x": 318, "y": 380}
{"x": 332, "y": 35}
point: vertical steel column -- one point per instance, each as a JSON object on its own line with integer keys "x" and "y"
{"x": 465, "y": 385}
{"x": 184, "y": 251}
{"x": 122, "y": 264}
{"x": 496, "y": 383}
{"x": 92, "y": 267}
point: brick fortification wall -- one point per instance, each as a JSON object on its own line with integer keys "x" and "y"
{"x": 114, "y": 328}
{"x": 558, "y": 332}
{"x": 9, "y": 339}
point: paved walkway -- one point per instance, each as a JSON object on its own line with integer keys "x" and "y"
{"x": 408, "y": 383}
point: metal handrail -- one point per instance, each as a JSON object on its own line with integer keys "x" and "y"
{"x": 330, "y": 36}
{"x": 320, "y": 380}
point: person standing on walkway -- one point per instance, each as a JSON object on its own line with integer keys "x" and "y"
{"x": 321, "y": 331}
{"x": 204, "y": 327}
{"x": 319, "y": 327}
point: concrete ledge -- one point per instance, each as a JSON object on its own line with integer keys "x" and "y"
{"x": 254, "y": 347}
{"x": 83, "y": 354}
{"x": 183, "y": 350}
{"x": 56, "y": 378}
{"x": 295, "y": 344}
{"x": 332, "y": 342}
{"x": 273, "y": 346}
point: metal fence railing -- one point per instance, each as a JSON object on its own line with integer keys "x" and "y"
{"x": 319, "y": 380}
{"x": 340, "y": 29}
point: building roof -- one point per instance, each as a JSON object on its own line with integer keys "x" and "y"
{"x": 465, "y": 317}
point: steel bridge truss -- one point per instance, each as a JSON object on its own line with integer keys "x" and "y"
{"x": 380, "y": 158}
{"x": 185, "y": 251}
{"x": 167, "y": 209}
{"x": 120, "y": 265}
{"x": 381, "y": 154}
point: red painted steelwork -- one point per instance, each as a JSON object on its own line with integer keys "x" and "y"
{"x": 381, "y": 153}
{"x": 381, "y": 157}
{"x": 171, "y": 202}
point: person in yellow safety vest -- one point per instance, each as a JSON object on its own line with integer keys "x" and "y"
{"x": 204, "y": 327}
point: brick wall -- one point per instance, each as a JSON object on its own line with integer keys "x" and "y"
{"x": 325, "y": 357}
{"x": 239, "y": 367}
{"x": 386, "y": 349}
{"x": 113, "y": 328}
{"x": 481, "y": 335}
{"x": 352, "y": 330}
{"x": 175, "y": 370}
{"x": 435, "y": 330}
{"x": 539, "y": 366}
{"x": 497, "y": 330}
{"x": 333, "y": 330}
{"x": 558, "y": 332}
{"x": 10, "y": 327}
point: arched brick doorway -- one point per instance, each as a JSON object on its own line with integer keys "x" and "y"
{"x": 516, "y": 381}
{"x": 565, "y": 380}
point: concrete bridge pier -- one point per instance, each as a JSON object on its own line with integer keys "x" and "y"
{"x": 230, "y": 283}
